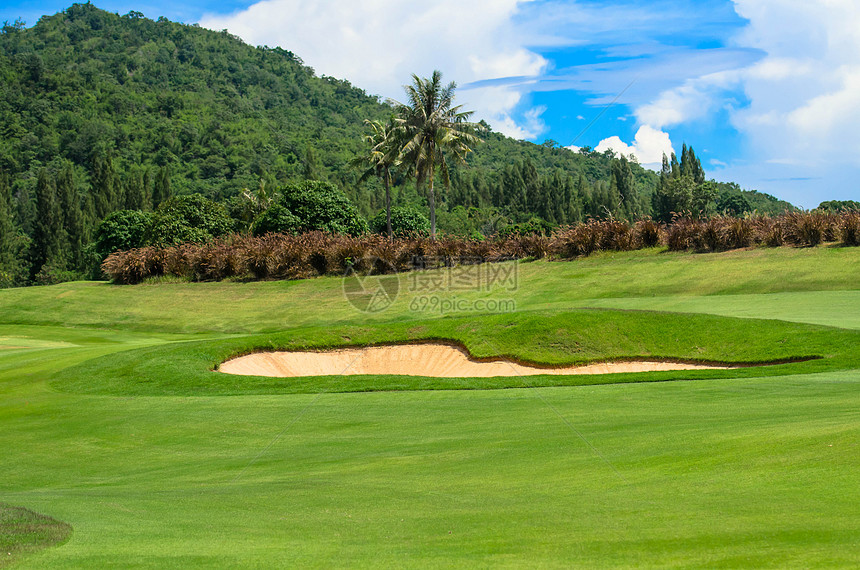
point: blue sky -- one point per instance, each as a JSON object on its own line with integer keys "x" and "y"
{"x": 766, "y": 91}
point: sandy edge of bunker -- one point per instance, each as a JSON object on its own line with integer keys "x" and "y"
{"x": 432, "y": 359}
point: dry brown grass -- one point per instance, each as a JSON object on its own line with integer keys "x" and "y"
{"x": 277, "y": 256}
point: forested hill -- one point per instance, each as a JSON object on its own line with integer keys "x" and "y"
{"x": 119, "y": 112}
{"x": 217, "y": 113}
{"x": 85, "y": 84}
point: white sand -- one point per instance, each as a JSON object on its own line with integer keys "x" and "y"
{"x": 436, "y": 360}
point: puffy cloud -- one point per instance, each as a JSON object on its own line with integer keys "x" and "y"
{"x": 648, "y": 146}
{"x": 801, "y": 101}
{"x": 379, "y": 44}
{"x": 695, "y": 99}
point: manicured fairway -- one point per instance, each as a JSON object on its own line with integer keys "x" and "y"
{"x": 151, "y": 469}
{"x": 831, "y": 308}
{"x": 276, "y": 305}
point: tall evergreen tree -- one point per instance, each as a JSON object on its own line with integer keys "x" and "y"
{"x": 47, "y": 232}
{"x": 9, "y": 236}
{"x": 311, "y": 169}
{"x": 72, "y": 239}
{"x": 161, "y": 190}
{"x": 106, "y": 187}
{"x": 623, "y": 182}
{"x": 682, "y": 189}
{"x": 25, "y": 209}
{"x": 135, "y": 190}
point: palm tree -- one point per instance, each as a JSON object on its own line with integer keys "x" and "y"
{"x": 383, "y": 155}
{"x": 433, "y": 129}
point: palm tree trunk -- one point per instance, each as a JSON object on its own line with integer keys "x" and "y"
{"x": 432, "y": 200}
{"x": 387, "y": 180}
{"x": 432, "y": 196}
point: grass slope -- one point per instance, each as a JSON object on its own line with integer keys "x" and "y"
{"x": 759, "y": 469}
{"x": 274, "y": 306}
{"x": 576, "y": 337}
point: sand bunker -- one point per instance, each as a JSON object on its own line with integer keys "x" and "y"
{"x": 436, "y": 360}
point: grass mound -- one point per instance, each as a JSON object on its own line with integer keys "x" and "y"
{"x": 22, "y": 532}
{"x": 547, "y": 338}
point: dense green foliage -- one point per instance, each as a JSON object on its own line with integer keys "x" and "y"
{"x": 404, "y": 221}
{"x": 122, "y": 230}
{"x": 320, "y": 206}
{"x": 102, "y": 112}
{"x": 839, "y": 205}
{"x": 191, "y": 218}
{"x": 276, "y": 219}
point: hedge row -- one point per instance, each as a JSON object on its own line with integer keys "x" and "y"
{"x": 279, "y": 256}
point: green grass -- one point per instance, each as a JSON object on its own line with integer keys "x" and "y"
{"x": 831, "y": 308}
{"x": 576, "y": 337}
{"x": 111, "y": 421}
{"x": 274, "y": 306}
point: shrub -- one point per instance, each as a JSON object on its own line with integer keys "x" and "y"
{"x": 535, "y": 226}
{"x": 320, "y": 206}
{"x": 683, "y": 234}
{"x": 404, "y": 222}
{"x": 121, "y": 230}
{"x": 184, "y": 219}
{"x": 804, "y": 228}
{"x": 615, "y": 236}
{"x": 849, "y": 228}
{"x": 50, "y": 274}
{"x": 276, "y": 220}
{"x": 648, "y": 233}
{"x": 579, "y": 240}
{"x": 711, "y": 234}
{"x": 283, "y": 256}
{"x": 739, "y": 233}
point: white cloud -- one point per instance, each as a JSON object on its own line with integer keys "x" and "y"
{"x": 379, "y": 44}
{"x": 800, "y": 102}
{"x": 695, "y": 99}
{"x": 648, "y": 146}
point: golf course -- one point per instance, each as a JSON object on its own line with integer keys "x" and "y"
{"x": 125, "y": 446}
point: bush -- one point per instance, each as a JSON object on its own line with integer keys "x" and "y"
{"x": 849, "y": 228}
{"x": 404, "y": 222}
{"x": 739, "y": 233}
{"x": 276, "y": 220}
{"x": 320, "y": 206}
{"x": 284, "y": 256}
{"x": 185, "y": 219}
{"x": 804, "y": 228}
{"x": 121, "y": 230}
{"x": 648, "y": 232}
{"x": 50, "y": 274}
{"x": 535, "y": 226}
